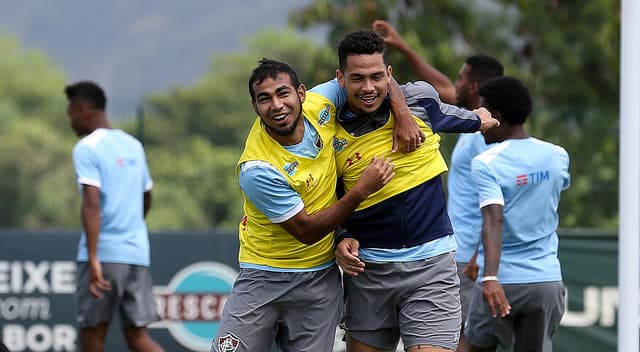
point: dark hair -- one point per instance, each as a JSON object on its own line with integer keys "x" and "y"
{"x": 483, "y": 67}
{"x": 271, "y": 68}
{"x": 508, "y": 96}
{"x": 360, "y": 42}
{"x": 87, "y": 91}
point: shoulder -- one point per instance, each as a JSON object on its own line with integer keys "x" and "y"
{"x": 554, "y": 148}
{"x": 492, "y": 153}
{"x": 419, "y": 90}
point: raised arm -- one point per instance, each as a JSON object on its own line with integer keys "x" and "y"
{"x": 423, "y": 69}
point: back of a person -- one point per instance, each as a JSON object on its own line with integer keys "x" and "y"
{"x": 532, "y": 174}
{"x": 123, "y": 174}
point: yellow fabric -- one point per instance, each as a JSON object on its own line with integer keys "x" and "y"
{"x": 353, "y": 154}
{"x": 265, "y": 243}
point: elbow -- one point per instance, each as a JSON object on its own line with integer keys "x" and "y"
{"x": 306, "y": 237}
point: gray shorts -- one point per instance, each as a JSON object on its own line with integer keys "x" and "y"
{"x": 418, "y": 301}
{"x": 131, "y": 295}
{"x": 536, "y": 311}
{"x": 295, "y": 311}
{"x": 467, "y": 288}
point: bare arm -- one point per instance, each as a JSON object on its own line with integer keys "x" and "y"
{"x": 309, "y": 229}
{"x": 91, "y": 223}
{"x": 406, "y": 131}
{"x": 492, "y": 240}
{"x": 423, "y": 69}
{"x": 147, "y": 202}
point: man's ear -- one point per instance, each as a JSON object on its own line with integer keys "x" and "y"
{"x": 255, "y": 107}
{"x": 302, "y": 92}
{"x": 473, "y": 87}
{"x": 389, "y": 71}
{"x": 340, "y": 78}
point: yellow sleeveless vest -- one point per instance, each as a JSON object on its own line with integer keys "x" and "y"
{"x": 353, "y": 154}
{"x": 265, "y": 243}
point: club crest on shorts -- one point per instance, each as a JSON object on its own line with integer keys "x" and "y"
{"x": 228, "y": 343}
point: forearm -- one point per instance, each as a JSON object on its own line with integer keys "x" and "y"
{"x": 311, "y": 228}
{"x": 430, "y": 74}
{"x": 91, "y": 224}
{"x": 146, "y": 202}
{"x": 399, "y": 105}
{"x": 492, "y": 238}
{"x": 452, "y": 119}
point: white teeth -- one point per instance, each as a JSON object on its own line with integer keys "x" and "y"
{"x": 368, "y": 100}
{"x": 279, "y": 117}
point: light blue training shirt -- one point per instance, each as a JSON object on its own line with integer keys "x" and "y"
{"x": 114, "y": 162}
{"x": 526, "y": 176}
{"x": 462, "y": 197}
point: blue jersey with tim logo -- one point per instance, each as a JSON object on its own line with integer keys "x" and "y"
{"x": 526, "y": 176}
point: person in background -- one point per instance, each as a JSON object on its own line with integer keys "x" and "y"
{"x": 520, "y": 296}
{"x": 113, "y": 253}
{"x": 462, "y": 200}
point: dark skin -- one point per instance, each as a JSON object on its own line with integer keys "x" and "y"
{"x": 492, "y": 219}
{"x": 84, "y": 118}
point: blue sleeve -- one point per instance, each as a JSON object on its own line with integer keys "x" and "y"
{"x": 424, "y": 102}
{"x": 487, "y": 185}
{"x": 268, "y": 190}
{"x": 332, "y": 91}
{"x": 86, "y": 166}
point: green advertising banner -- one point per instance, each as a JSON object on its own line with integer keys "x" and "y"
{"x": 590, "y": 273}
{"x": 193, "y": 274}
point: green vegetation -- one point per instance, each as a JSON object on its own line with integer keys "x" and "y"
{"x": 566, "y": 53}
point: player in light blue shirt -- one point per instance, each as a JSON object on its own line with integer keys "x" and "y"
{"x": 104, "y": 159}
{"x": 519, "y": 181}
{"x": 113, "y": 253}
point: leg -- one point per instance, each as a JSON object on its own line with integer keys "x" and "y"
{"x": 430, "y": 312}
{"x": 138, "y": 340}
{"x": 481, "y": 327}
{"x": 310, "y": 312}
{"x": 92, "y": 339}
{"x": 543, "y": 309}
{"x": 427, "y": 348}
{"x": 473, "y": 348}
{"x": 354, "y": 345}
{"x": 466, "y": 296}
{"x": 137, "y": 308}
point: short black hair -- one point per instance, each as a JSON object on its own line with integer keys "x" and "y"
{"x": 508, "y": 96}
{"x": 483, "y": 67}
{"x": 360, "y": 42}
{"x": 271, "y": 68}
{"x": 87, "y": 91}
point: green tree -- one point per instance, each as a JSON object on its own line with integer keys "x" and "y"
{"x": 566, "y": 53}
{"x": 37, "y": 188}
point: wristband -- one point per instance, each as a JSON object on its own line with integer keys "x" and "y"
{"x": 489, "y": 278}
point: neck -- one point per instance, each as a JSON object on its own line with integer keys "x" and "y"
{"x": 517, "y": 132}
